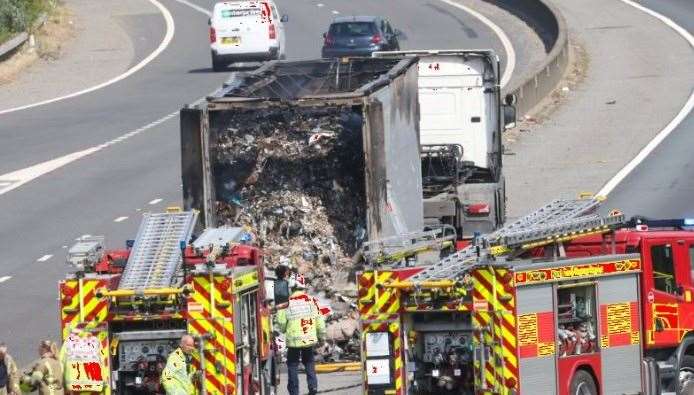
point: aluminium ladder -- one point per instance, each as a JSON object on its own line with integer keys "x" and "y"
{"x": 551, "y": 223}
{"x": 156, "y": 254}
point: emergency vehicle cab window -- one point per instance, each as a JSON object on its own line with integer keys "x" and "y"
{"x": 663, "y": 268}
{"x": 577, "y": 320}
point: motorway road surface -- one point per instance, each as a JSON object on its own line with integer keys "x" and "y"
{"x": 662, "y": 186}
{"x": 105, "y": 193}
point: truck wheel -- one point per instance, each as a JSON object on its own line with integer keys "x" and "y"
{"x": 582, "y": 384}
{"x": 687, "y": 374}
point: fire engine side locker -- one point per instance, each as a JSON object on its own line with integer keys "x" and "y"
{"x": 620, "y": 339}
{"x": 536, "y": 338}
{"x": 615, "y": 280}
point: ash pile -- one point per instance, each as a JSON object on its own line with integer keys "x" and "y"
{"x": 295, "y": 176}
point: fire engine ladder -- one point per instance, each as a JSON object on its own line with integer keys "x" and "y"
{"x": 402, "y": 246}
{"x": 560, "y": 220}
{"x": 156, "y": 254}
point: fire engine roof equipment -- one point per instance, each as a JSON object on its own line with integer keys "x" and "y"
{"x": 560, "y": 220}
{"x": 156, "y": 253}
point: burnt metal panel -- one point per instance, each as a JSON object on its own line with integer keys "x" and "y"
{"x": 399, "y": 186}
{"x": 621, "y": 365}
{"x": 375, "y": 166}
{"x": 192, "y": 174}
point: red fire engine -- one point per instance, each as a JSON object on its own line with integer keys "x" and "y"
{"x": 139, "y": 301}
{"x": 562, "y": 301}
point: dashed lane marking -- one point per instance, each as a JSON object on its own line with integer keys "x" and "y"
{"x": 44, "y": 258}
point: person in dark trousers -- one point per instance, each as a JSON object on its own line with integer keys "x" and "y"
{"x": 304, "y": 328}
{"x": 281, "y": 285}
{"x": 9, "y": 378}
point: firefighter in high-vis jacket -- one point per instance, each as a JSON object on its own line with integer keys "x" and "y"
{"x": 304, "y": 327}
{"x": 82, "y": 358}
{"x": 46, "y": 375}
{"x": 177, "y": 376}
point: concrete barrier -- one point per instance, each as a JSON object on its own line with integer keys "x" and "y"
{"x": 550, "y": 26}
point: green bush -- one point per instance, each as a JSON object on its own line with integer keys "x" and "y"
{"x": 19, "y": 15}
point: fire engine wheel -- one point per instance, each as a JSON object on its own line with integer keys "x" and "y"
{"x": 582, "y": 384}
{"x": 687, "y": 372}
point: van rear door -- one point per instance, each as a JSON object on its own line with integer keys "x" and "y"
{"x": 243, "y": 27}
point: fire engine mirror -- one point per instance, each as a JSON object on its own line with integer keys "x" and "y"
{"x": 510, "y": 99}
{"x": 680, "y": 290}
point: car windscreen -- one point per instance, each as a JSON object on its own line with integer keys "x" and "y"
{"x": 352, "y": 29}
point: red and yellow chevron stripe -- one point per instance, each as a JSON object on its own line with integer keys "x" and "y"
{"x": 495, "y": 327}
{"x": 79, "y": 304}
{"x": 210, "y": 315}
{"x": 389, "y": 323}
{"x": 374, "y": 299}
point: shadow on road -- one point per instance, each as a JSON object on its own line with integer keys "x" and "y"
{"x": 232, "y": 67}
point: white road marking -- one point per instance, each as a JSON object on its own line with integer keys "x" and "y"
{"x": 64, "y": 247}
{"x": 662, "y": 135}
{"x": 335, "y": 12}
{"x": 155, "y": 201}
{"x": 4, "y": 278}
{"x": 21, "y": 177}
{"x": 505, "y": 41}
{"x": 120, "y": 219}
{"x": 320, "y": 5}
{"x": 82, "y": 237}
{"x": 44, "y": 258}
{"x": 170, "y": 28}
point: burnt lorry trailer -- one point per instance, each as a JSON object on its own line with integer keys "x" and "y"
{"x": 315, "y": 157}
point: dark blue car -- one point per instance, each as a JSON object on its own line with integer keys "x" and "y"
{"x": 359, "y": 36}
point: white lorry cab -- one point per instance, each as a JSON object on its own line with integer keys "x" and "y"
{"x": 461, "y": 121}
{"x": 246, "y": 31}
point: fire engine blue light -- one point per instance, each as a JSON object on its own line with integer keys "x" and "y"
{"x": 689, "y": 222}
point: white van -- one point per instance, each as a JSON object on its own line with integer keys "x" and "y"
{"x": 246, "y": 31}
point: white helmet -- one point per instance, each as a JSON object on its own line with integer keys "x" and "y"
{"x": 296, "y": 281}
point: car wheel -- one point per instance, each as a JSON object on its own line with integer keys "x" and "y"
{"x": 217, "y": 65}
{"x": 687, "y": 373}
{"x": 582, "y": 384}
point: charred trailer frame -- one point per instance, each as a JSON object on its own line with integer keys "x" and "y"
{"x": 380, "y": 97}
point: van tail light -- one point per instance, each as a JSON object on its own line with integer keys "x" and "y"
{"x": 329, "y": 40}
{"x": 477, "y": 209}
{"x": 213, "y": 35}
{"x": 376, "y": 39}
{"x": 272, "y": 32}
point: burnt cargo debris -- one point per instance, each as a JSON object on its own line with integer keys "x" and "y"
{"x": 315, "y": 156}
{"x": 295, "y": 175}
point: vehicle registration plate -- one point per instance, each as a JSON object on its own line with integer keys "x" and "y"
{"x": 231, "y": 40}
